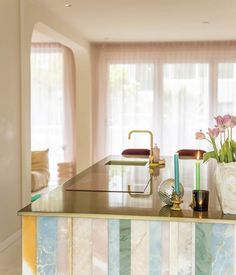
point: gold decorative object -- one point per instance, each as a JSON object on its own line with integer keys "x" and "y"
{"x": 176, "y": 200}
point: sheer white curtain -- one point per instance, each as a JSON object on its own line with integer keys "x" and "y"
{"x": 174, "y": 89}
{"x": 53, "y": 103}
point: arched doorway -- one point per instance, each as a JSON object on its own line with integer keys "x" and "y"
{"x": 52, "y": 112}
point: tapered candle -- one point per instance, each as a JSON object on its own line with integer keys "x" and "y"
{"x": 198, "y": 172}
{"x": 176, "y": 169}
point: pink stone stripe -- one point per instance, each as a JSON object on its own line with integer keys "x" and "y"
{"x": 82, "y": 246}
{"x": 64, "y": 246}
{"x": 165, "y": 247}
{"x": 139, "y": 247}
{"x": 100, "y": 246}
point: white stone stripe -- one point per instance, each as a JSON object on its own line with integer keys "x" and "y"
{"x": 184, "y": 248}
{"x": 165, "y": 248}
{"x": 235, "y": 249}
{"x": 82, "y": 246}
{"x": 70, "y": 246}
{"x": 62, "y": 246}
{"x": 173, "y": 261}
{"x": 139, "y": 247}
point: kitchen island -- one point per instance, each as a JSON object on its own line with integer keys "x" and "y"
{"x": 109, "y": 220}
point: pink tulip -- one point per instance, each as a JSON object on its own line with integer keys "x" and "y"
{"x": 200, "y": 135}
{"x": 219, "y": 121}
{"x": 227, "y": 120}
{"x": 213, "y": 133}
{"x": 233, "y": 121}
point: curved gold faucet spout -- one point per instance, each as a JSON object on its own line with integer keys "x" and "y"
{"x": 144, "y": 131}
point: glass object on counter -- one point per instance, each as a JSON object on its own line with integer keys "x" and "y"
{"x": 166, "y": 190}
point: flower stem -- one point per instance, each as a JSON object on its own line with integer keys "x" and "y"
{"x": 215, "y": 148}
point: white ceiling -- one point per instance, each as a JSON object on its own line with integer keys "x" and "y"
{"x": 148, "y": 20}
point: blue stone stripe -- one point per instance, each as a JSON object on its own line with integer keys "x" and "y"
{"x": 46, "y": 245}
{"x": 154, "y": 248}
{"x": 125, "y": 247}
{"x": 203, "y": 257}
{"x": 222, "y": 249}
{"x": 113, "y": 247}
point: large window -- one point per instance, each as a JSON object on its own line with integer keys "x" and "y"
{"x": 173, "y": 89}
{"x": 185, "y": 104}
{"x": 132, "y": 104}
{"x": 226, "y": 96}
{"x": 131, "y": 89}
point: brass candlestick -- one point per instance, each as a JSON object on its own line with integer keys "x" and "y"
{"x": 176, "y": 200}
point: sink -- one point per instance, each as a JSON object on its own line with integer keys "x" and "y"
{"x": 126, "y": 162}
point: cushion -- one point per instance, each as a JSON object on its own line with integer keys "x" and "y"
{"x": 40, "y": 169}
{"x": 39, "y": 179}
{"x": 143, "y": 152}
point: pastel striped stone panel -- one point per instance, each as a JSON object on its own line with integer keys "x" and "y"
{"x": 173, "y": 252}
{"x": 215, "y": 244}
{"x": 165, "y": 248}
{"x": 47, "y": 245}
{"x": 100, "y": 246}
{"x": 114, "y": 247}
{"x": 82, "y": 246}
{"x": 139, "y": 247}
{"x": 64, "y": 246}
{"x": 186, "y": 248}
{"x": 126, "y": 247}
{"x": 29, "y": 231}
{"x": 203, "y": 256}
{"x": 222, "y": 249}
{"x": 155, "y": 241}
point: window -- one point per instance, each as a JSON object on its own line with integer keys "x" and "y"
{"x": 132, "y": 105}
{"x": 50, "y": 116}
{"x": 173, "y": 89}
{"x": 131, "y": 88}
{"x": 226, "y": 88}
{"x": 226, "y": 83}
{"x": 185, "y": 104}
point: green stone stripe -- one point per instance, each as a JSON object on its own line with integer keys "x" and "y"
{"x": 203, "y": 256}
{"x": 125, "y": 247}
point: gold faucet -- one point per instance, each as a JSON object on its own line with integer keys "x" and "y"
{"x": 151, "y": 140}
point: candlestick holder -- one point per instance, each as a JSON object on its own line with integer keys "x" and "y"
{"x": 176, "y": 200}
{"x": 200, "y": 200}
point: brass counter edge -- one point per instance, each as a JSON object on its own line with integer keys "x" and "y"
{"x": 128, "y": 217}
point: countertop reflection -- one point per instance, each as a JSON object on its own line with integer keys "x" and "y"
{"x": 129, "y": 204}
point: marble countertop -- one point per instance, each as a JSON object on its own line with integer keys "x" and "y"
{"x": 129, "y": 202}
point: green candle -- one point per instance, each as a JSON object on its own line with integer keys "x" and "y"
{"x": 198, "y": 173}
